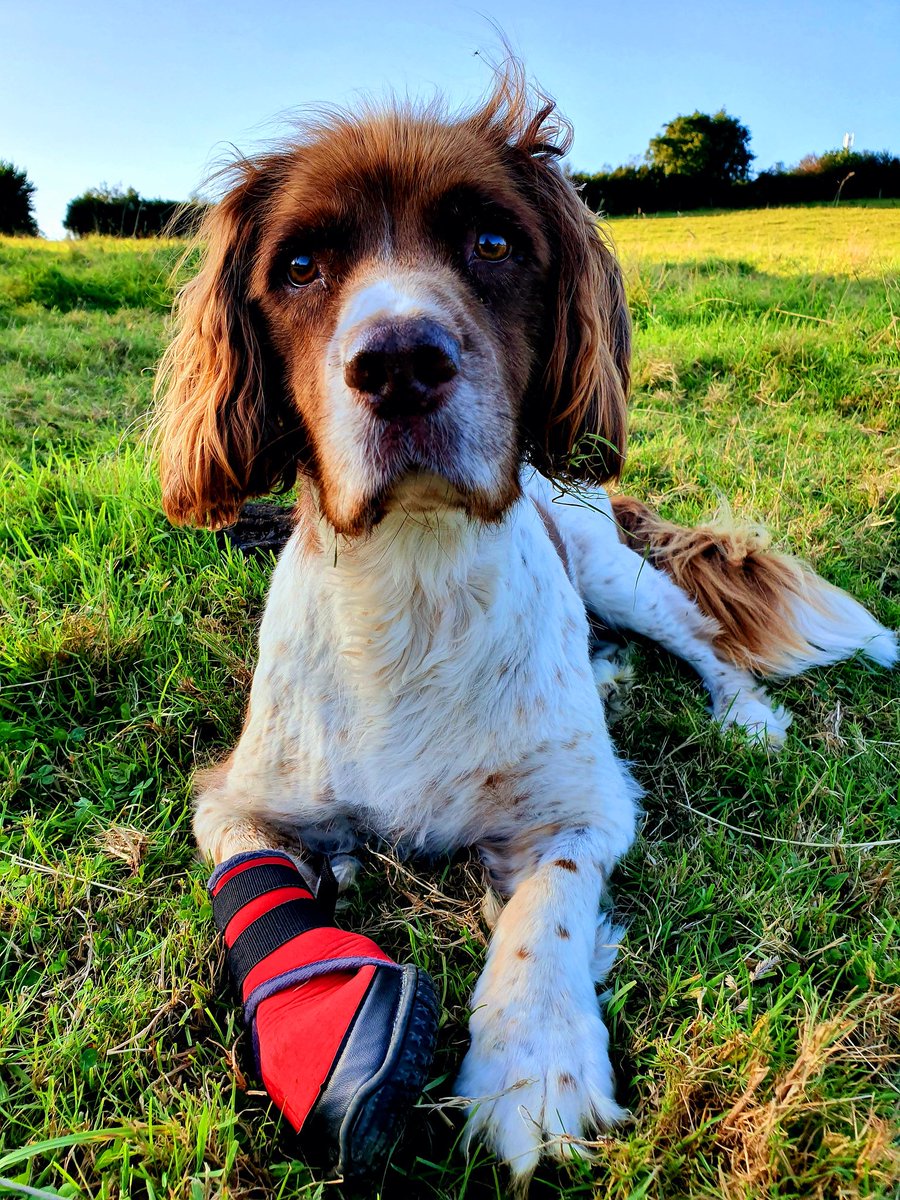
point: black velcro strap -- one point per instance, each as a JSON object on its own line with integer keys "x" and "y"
{"x": 270, "y": 931}
{"x": 327, "y": 888}
{"x": 250, "y": 883}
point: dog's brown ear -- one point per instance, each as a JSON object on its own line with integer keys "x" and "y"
{"x": 577, "y": 410}
{"x": 223, "y": 432}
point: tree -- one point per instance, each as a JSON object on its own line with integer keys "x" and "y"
{"x": 711, "y": 147}
{"x": 16, "y": 201}
{"x": 118, "y": 213}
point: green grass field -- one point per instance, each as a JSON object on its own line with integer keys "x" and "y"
{"x": 755, "y": 1007}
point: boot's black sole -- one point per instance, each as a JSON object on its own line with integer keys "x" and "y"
{"x": 359, "y": 1122}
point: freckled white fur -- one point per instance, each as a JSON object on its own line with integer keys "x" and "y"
{"x": 430, "y": 683}
{"x": 379, "y": 684}
{"x": 538, "y": 1068}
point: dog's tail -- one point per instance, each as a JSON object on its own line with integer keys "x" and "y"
{"x": 776, "y": 616}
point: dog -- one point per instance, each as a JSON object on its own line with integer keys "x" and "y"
{"x": 414, "y": 317}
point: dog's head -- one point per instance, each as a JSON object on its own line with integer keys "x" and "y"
{"x": 402, "y": 307}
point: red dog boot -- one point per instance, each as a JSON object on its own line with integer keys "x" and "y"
{"x": 343, "y": 1036}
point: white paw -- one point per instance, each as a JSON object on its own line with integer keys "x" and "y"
{"x": 539, "y": 1082}
{"x": 611, "y": 671}
{"x": 613, "y": 676}
{"x": 751, "y": 712}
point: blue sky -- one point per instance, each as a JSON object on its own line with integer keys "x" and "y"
{"x": 150, "y": 95}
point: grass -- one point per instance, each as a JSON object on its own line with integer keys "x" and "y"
{"x": 755, "y": 1008}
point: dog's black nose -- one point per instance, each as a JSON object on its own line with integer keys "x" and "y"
{"x": 403, "y": 368}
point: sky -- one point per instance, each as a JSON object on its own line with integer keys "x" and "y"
{"x": 152, "y": 95}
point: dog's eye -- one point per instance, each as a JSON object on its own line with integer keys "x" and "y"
{"x": 492, "y": 247}
{"x": 302, "y": 269}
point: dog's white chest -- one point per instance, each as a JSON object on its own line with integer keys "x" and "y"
{"x": 393, "y": 689}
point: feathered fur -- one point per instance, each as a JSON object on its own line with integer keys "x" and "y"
{"x": 775, "y": 615}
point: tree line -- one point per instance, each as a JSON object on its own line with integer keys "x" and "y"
{"x": 128, "y": 214}
{"x": 702, "y": 160}
{"x": 116, "y": 212}
{"x": 699, "y": 160}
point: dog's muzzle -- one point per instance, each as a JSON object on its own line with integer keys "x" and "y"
{"x": 402, "y": 369}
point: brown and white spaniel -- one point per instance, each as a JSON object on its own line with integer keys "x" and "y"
{"x": 414, "y": 316}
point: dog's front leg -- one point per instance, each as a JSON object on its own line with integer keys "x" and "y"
{"x": 538, "y": 1070}
{"x": 342, "y": 1035}
{"x": 226, "y": 825}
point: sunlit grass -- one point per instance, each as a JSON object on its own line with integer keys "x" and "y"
{"x": 855, "y": 241}
{"x": 755, "y": 1008}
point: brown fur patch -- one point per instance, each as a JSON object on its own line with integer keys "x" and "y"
{"x": 213, "y": 777}
{"x": 734, "y": 577}
{"x": 565, "y": 864}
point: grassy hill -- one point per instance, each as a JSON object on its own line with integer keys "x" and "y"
{"x": 755, "y": 1008}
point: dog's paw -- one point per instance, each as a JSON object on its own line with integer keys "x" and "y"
{"x": 539, "y": 1083}
{"x": 613, "y": 674}
{"x": 757, "y": 719}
